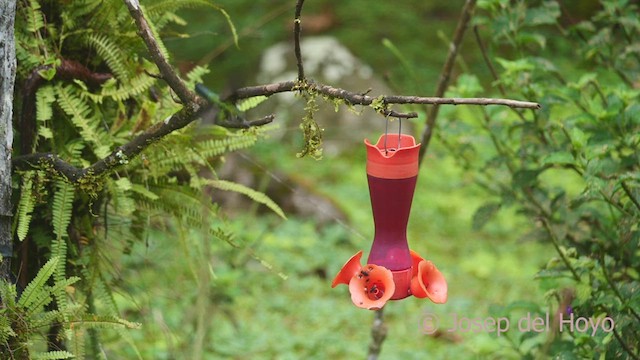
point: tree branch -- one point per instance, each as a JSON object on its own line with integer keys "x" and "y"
{"x": 68, "y": 70}
{"x": 168, "y": 73}
{"x": 296, "y": 39}
{"x": 445, "y": 74}
{"x": 354, "y": 98}
{"x": 194, "y": 110}
{"x": 120, "y": 156}
{"x": 378, "y": 334}
{"x": 194, "y": 107}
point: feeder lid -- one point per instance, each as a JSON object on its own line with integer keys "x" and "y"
{"x": 394, "y": 156}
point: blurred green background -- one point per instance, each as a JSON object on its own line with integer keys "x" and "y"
{"x": 272, "y": 299}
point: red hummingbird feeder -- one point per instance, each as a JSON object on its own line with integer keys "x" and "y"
{"x": 393, "y": 272}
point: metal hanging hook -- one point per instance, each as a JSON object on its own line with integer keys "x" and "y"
{"x": 399, "y": 132}
{"x": 386, "y": 134}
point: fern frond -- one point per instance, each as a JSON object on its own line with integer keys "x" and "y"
{"x": 45, "y": 297}
{"x": 62, "y": 209}
{"x": 52, "y": 355}
{"x": 195, "y": 75}
{"x": 250, "y": 103}
{"x": 25, "y": 206}
{"x": 26, "y": 55}
{"x": 133, "y": 88}
{"x": 81, "y": 116}
{"x": 218, "y": 147}
{"x": 46, "y": 318}
{"x": 103, "y": 321}
{"x": 232, "y": 27}
{"x": 141, "y": 190}
{"x": 44, "y": 98}
{"x": 35, "y": 19}
{"x": 112, "y": 54}
{"x": 77, "y": 336}
{"x": 254, "y": 195}
{"x": 172, "y": 6}
{"x": 122, "y": 202}
{"x": 38, "y": 284}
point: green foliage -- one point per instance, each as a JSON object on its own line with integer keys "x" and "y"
{"x": 572, "y": 167}
{"x": 84, "y": 120}
{"x": 25, "y": 317}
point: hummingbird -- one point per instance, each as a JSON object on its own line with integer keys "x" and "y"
{"x": 228, "y": 115}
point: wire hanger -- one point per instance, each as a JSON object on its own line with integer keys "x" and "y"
{"x": 386, "y": 134}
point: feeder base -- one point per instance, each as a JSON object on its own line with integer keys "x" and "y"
{"x": 402, "y": 280}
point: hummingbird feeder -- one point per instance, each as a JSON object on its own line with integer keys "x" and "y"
{"x": 392, "y": 272}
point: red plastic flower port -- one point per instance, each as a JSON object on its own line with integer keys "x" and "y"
{"x": 427, "y": 280}
{"x": 370, "y": 286}
{"x": 373, "y": 285}
{"x": 349, "y": 270}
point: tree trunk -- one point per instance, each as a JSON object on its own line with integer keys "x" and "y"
{"x": 7, "y": 77}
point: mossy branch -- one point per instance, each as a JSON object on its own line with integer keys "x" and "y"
{"x": 194, "y": 107}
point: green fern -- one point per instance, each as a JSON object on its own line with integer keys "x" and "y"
{"x": 135, "y": 87}
{"x": 112, "y": 54}
{"x": 44, "y": 298}
{"x": 250, "y": 103}
{"x": 104, "y": 321}
{"x": 44, "y": 100}
{"x": 172, "y": 6}
{"x": 100, "y": 118}
{"x": 30, "y": 293}
{"x": 62, "y": 210}
{"x": 35, "y": 19}
{"x": 252, "y": 194}
{"x": 25, "y": 205}
{"x": 82, "y": 117}
{"x": 52, "y": 355}
{"x": 196, "y": 74}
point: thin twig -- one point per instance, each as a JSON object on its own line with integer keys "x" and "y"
{"x": 445, "y": 74}
{"x": 168, "y": 73}
{"x": 296, "y": 39}
{"x": 624, "y": 345}
{"x": 378, "y": 334}
{"x": 487, "y": 61}
{"x": 556, "y": 245}
{"x": 627, "y": 191}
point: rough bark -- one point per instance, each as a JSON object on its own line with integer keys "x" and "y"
{"x": 7, "y": 78}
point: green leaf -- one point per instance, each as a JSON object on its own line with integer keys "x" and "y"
{"x": 525, "y": 177}
{"x": 558, "y": 158}
{"x": 583, "y": 292}
{"x": 48, "y": 73}
{"x": 545, "y": 14}
{"x": 485, "y": 213}
{"x": 578, "y": 138}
